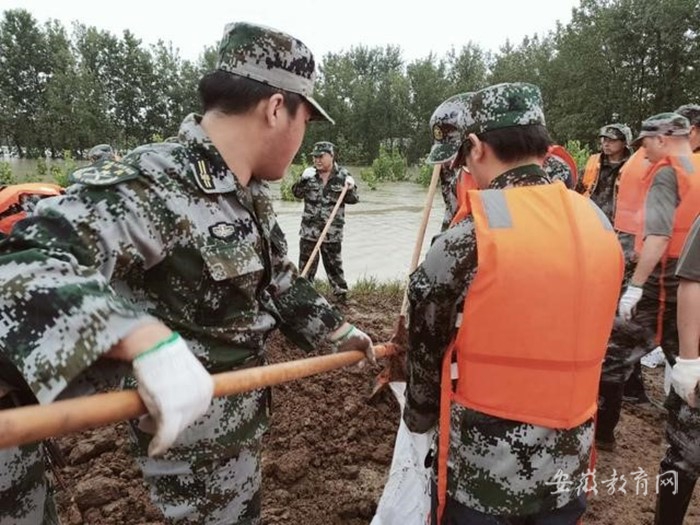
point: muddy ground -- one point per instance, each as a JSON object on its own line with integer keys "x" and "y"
{"x": 329, "y": 450}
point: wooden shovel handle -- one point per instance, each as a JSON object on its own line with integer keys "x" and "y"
{"x": 36, "y": 422}
{"x": 321, "y": 237}
{"x": 427, "y": 207}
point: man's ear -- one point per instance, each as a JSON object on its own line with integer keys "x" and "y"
{"x": 478, "y": 148}
{"x": 272, "y": 108}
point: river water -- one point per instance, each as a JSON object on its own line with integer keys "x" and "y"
{"x": 380, "y": 230}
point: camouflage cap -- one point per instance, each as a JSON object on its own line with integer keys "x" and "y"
{"x": 691, "y": 112}
{"x": 272, "y": 57}
{"x": 667, "y": 124}
{"x": 447, "y": 125}
{"x": 504, "y": 106}
{"x": 100, "y": 152}
{"x": 323, "y": 147}
{"x": 616, "y": 131}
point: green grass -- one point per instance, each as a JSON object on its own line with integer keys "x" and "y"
{"x": 366, "y": 286}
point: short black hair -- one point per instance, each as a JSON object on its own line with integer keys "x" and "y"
{"x": 518, "y": 142}
{"x": 234, "y": 95}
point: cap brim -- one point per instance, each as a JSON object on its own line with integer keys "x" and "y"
{"x": 319, "y": 113}
{"x": 441, "y": 153}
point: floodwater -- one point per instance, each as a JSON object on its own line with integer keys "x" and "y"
{"x": 380, "y": 230}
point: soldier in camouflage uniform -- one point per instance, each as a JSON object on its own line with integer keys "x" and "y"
{"x": 446, "y": 141}
{"x": 683, "y": 427}
{"x": 179, "y": 236}
{"x": 498, "y": 470}
{"x": 101, "y": 152}
{"x": 557, "y": 169}
{"x": 692, "y": 113}
{"x": 320, "y": 188}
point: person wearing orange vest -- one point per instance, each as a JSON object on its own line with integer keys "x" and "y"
{"x": 672, "y": 204}
{"x": 683, "y": 427}
{"x": 17, "y": 200}
{"x": 523, "y": 324}
{"x": 446, "y": 141}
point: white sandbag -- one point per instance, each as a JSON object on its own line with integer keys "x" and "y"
{"x": 406, "y": 496}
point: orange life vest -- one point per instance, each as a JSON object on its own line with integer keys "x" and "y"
{"x": 535, "y": 326}
{"x": 465, "y": 182}
{"x": 632, "y": 189}
{"x": 591, "y": 173}
{"x": 11, "y": 210}
{"x": 563, "y": 154}
{"x": 687, "y": 171}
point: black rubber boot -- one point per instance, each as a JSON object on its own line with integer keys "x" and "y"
{"x": 634, "y": 388}
{"x": 670, "y": 507}
{"x": 609, "y": 406}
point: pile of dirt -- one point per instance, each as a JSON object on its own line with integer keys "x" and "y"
{"x": 328, "y": 453}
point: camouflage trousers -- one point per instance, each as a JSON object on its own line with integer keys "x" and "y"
{"x": 332, "y": 263}
{"x": 212, "y": 474}
{"x": 683, "y": 436}
{"x": 24, "y": 490}
{"x": 457, "y": 514}
{"x": 627, "y": 243}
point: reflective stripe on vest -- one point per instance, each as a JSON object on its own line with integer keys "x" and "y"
{"x": 538, "y": 314}
{"x": 631, "y": 193}
{"x": 590, "y": 174}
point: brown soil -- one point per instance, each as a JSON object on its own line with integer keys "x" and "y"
{"x": 329, "y": 450}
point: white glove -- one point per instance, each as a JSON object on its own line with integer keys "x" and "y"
{"x": 349, "y": 337}
{"x": 629, "y": 301}
{"x": 685, "y": 376}
{"x": 349, "y": 181}
{"x": 309, "y": 173}
{"x": 175, "y": 388}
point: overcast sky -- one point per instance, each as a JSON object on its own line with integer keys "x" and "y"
{"x": 419, "y": 27}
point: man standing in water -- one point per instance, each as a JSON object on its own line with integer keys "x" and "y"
{"x": 321, "y": 188}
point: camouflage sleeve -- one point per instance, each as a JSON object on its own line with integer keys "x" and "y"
{"x": 436, "y": 293}
{"x": 351, "y": 197}
{"x": 299, "y": 188}
{"x": 59, "y": 313}
{"x": 306, "y": 317}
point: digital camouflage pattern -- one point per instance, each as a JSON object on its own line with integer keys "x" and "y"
{"x": 319, "y": 200}
{"x": 557, "y": 170}
{"x": 616, "y": 131}
{"x": 323, "y": 147}
{"x": 446, "y": 126}
{"x": 504, "y": 106}
{"x": 331, "y": 253}
{"x": 528, "y": 456}
{"x": 667, "y": 124}
{"x": 691, "y": 112}
{"x": 24, "y": 488}
{"x": 181, "y": 241}
{"x": 100, "y": 152}
{"x": 448, "y": 188}
{"x": 272, "y": 57}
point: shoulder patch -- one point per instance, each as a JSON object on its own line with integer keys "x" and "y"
{"x": 104, "y": 173}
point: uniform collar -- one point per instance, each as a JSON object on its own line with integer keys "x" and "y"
{"x": 527, "y": 175}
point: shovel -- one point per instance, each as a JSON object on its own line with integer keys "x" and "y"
{"x": 395, "y": 368}
{"x": 27, "y": 424}
{"x": 321, "y": 237}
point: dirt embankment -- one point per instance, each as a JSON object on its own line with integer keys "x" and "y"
{"x": 328, "y": 453}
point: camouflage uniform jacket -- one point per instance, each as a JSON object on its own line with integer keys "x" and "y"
{"x": 448, "y": 187}
{"x": 169, "y": 233}
{"x": 605, "y": 191}
{"x": 319, "y": 200}
{"x": 495, "y": 466}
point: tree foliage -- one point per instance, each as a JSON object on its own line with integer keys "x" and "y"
{"x": 616, "y": 60}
